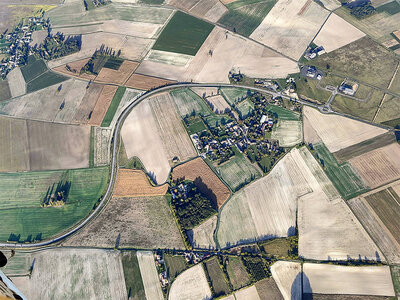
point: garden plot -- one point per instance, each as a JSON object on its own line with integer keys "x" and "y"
{"x": 288, "y": 133}
{"x": 102, "y": 137}
{"x": 144, "y": 82}
{"x": 134, "y": 183}
{"x": 119, "y": 76}
{"x": 351, "y": 280}
{"x": 103, "y": 102}
{"x": 151, "y": 282}
{"x": 141, "y": 222}
{"x": 211, "y": 10}
{"x": 339, "y": 132}
{"x": 287, "y": 276}
{"x": 191, "y": 284}
{"x": 57, "y": 103}
{"x": 76, "y": 274}
{"x": 16, "y": 82}
{"x": 219, "y": 104}
{"x": 202, "y": 236}
{"x": 290, "y": 26}
{"x": 337, "y": 33}
{"x": 378, "y": 166}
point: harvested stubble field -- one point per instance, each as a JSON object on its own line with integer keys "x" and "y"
{"x": 331, "y": 4}
{"x": 244, "y": 16}
{"x": 151, "y": 282}
{"x": 23, "y": 193}
{"x": 102, "y": 145}
{"x": 16, "y": 82}
{"x": 378, "y": 166}
{"x": 238, "y": 171}
{"x": 76, "y": 274}
{"x": 85, "y": 110}
{"x": 350, "y": 280}
{"x": 204, "y": 178}
{"x": 172, "y": 58}
{"x": 102, "y": 104}
{"x": 287, "y": 276}
{"x": 249, "y": 293}
{"x": 133, "y": 278}
{"x": 175, "y": 264}
{"x": 217, "y": 276}
{"x": 73, "y": 68}
{"x": 237, "y": 272}
{"x": 290, "y": 26}
{"x": 219, "y": 103}
{"x": 141, "y": 222}
{"x": 337, "y": 33}
{"x": 127, "y": 98}
{"x": 145, "y": 82}
{"x": 364, "y": 60}
{"x": 191, "y": 284}
{"x": 288, "y": 133}
{"x": 211, "y": 10}
{"x": 186, "y": 101}
{"x": 267, "y": 289}
{"x": 202, "y": 236}
{"x": 339, "y": 132}
{"x": 134, "y": 183}
{"x": 119, "y": 76}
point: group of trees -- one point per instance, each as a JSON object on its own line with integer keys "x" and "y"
{"x": 57, "y": 45}
{"x": 360, "y": 9}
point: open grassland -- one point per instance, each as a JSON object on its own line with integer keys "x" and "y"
{"x": 17, "y": 265}
{"x": 340, "y": 132}
{"x": 287, "y": 276}
{"x": 217, "y": 277}
{"x": 337, "y": 33}
{"x": 119, "y": 76}
{"x": 237, "y": 272}
{"x": 76, "y": 274}
{"x": 290, "y": 26}
{"x": 376, "y": 229}
{"x": 267, "y": 289}
{"x": 151, "y": 283}
{"x": 134, "y": 183}
{"x": 141, "y": 222}
{"x": 204, "y": 178}
{"x": 175, "y": 264}
{"x": 364, "y": 60}
{"x": 310, "y": 89}
{"x": 112, "y": 108}
{"x": 187, "y": 101}
{"x": 245, "y": 16}
{"x": 183, "y": 34}
{"x": 16, "y": 82}
{"x": 133, "y": 278}
{"x": 202, "y": 236}
{"x": 191, "y": 284}
{"x": 348, "y": 280}
{"x": 378, "y": 166}
{"x": 211, "y": 10}
{"x": 145, "y": 82}
{"x": 23, "y": 193}
{"x": 386, "y": 206}
{"x": 389, "y": 111}
{"x": 234, "y": 95}
{"x": 288, "y": 133}
{"x": 237, "y": 172}
{"x": 396, "y": 278}
{"x": 343, "y": 176}
{"x": 277, "y": 247}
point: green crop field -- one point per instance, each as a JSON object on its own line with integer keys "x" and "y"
{"x": 283, "y": 113}
{"x": 343, "y": 177}
{"x": 244, "y": 108}
{"x": 176, "y": 264}
{"x": 44, "y": 80}
{"x": 34, "y": 68}
{"x": 196, "y": 125}
{"x": 244, "y": 16}
{"x": 214, "y": 120}
{"x": 18, "y": 265}
{"x": 187, "y": 102}
{"x": 237, "y": 172}
{"x": 237, "y": 273}
{"x": 183, "y": 34}
{"x": 113, "y": 63}
{"x": 21, "y": 196}
{"x": 217, "y": 277}
{"x": 5, "y": 92}
{"x": 113, "y": 106}
{"x": 390, "y": 8}
{"x": 234, "y": 95}
{"x": 133, "y": 277}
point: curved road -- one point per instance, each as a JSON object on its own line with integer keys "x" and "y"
{"x": 114, "y": 160}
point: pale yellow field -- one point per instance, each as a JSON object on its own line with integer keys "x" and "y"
{"x": 310, "y": 135}
{"x": 287, "y": 276}
{"x": 290, "y": 26}
{"x": 331, "y": 4}
{"x": 337, "y": 33}
{"x": 151, "y": 283}
{"x": 219, "y": 103}
{"x": 339, "y": 132}
{"x": 202, "y": 236}
{"x": 16, "y": 82}
{"x": 102, "y": 139}
{"x": 249, "y": 293}
{"x": 136, "y": 29}
{"x": 351, "y": 280}
{"x": 211, "y": 10}
{"x": 288, "y": 133}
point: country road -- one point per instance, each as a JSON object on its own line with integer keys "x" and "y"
{"x": 115, "y": 150}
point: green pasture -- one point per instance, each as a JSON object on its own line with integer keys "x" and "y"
{"x": 113, "y": 106}
{"x": 244, "y": 108}
{"x": 133, "y": 277}
{"x": 234, "y": 95}
{"x": 283, "y": 114}
{"x": 187, "y": 102}
{"x": 34, "y": 68}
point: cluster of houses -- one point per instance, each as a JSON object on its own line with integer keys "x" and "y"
{"x": 162, "y": 270}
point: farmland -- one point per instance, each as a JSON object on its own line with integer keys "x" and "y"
{"x": 283, "y": 114}
{"x": 202, "y": 236}
{"x": 44, "y": 80}
{"x": 187, "y": 101}
{"x": 204, "y": 178}
{"x": 71, "y": 272}
{"x": 134, "y": 183}
{"x": 219, "y": 104}
{"x": 211, "y": 10}
{"x": 176, "y": 38}
{"x": 234, "y": 95}
{"x": 244, "y": 108}
{"x": 112, "y": 108}
{"x": 301, "y": 19}
{"x": 247, "y": 293}
{"x": 243, "y": 17}
{"x": 267, "y": 289}
{"x": 237, "y": 273}
{"x": 151, "y": 283}
{"x": 133, "y": 278}
{"x": 191, "y": 284}
{"x": 288, "y": 133}
{"x": 378, "y": 166}
{"x": 141, "y": 222}
{"x": 16, "y": 82}
{"x": 389, "y": 111}
{"x": 287, "y": 276}
{"x": 217, "y": 277}
{"x": 23, "y": 193}
{"x": 237, "y": 172}
{"x": 144, "y": 82}
{"x": 329, "y": 279}
{"x": 5, "y": 92}
{"x": 33, "y": 69}
{"x": 175, "y": 264}
{"x": 117, "y": 76}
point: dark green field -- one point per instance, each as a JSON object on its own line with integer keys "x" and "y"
{"x": 176, "y": 264}
{"x": 244, "y": 16}
{"x": 113, "y": 106}
{"x": 183, "y": 34}
{"x": 133, "y": 278}
{"x": 195, "y": 125}
{"x": 343, "y": 177}
{"x": 21, "y": 195}
{"x": 237, "y": 273}
{"x": 113, "y": 63}
{"x": 45, "y": 80}
{"x": 34, "y": 68}
{"x": 390, "y": 8}
{"x": 217, "y": 277}
{"x": 5, "y": 92}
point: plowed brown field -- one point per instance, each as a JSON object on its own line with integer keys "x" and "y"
{"x": 88, "y": 103}
{"x": 75, "y": 68}
{"x": 134, "y": 183}
{"x": 144, "y": 82}
{"x": 102, "y": 104}
{"x": 204, "y": 178}
{"x": 119, "y": 76}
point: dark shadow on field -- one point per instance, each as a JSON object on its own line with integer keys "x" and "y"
{"x": 190, "y": 236}
{"x": 206, "y": 191}
{"x": 301, "y": 288}
{"x": 250, "y": 240}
